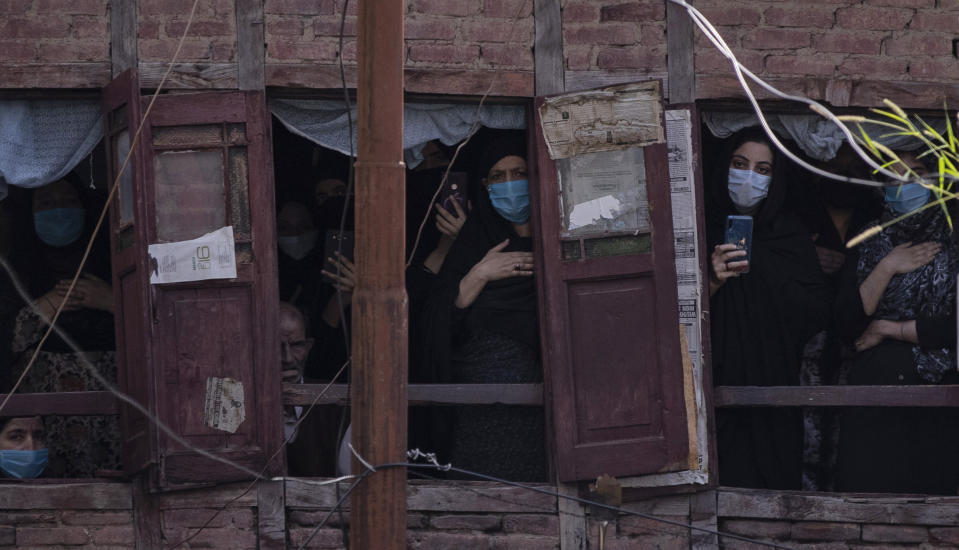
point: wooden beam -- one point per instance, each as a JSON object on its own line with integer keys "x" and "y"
{"x": 78, "y": 403}
{"x": 548, "y": 61}
{"x": 702, "y": 513}
{"x": 123, "y": 36}
{"x": 680, "y": 58}
{"x": 55, "y": 75}
{"x": 578, "y": 81}
{"x": 250, "y": 45}
{"x": 426, "y": 394}
{"x": 190, "y": 75}
{"x": 147, "y": 522}
{"x": 836, "y": 396}
{"x": 71, "y": 496}
{"x": 271, "y": 515}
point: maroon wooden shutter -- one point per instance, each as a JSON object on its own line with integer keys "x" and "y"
{"x": 205, "y": 164}
{"x": 610, "y": 332}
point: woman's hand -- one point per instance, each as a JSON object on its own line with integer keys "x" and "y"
{"x": 724, "y": 266}
{"x": 875, "y": 333}
{"x": 90, "y": 292}
{"x": 345, "y": 279}
{"x": 447, "y": 223}
{"x": 497, "y": 264}
{"x": 830, "y": 260}
{"x": 908, "y": 257}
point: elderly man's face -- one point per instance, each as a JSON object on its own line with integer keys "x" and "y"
{"x": 294, "y": 345}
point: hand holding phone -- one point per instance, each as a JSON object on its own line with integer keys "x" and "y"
{"x": 454, "y": 190}
{"x": 739, "y": 232}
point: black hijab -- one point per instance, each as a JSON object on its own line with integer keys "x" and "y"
{"x": 760, "y": 322}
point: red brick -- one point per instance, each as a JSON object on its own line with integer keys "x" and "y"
{"x": 324, "y": 538}
{"x": 162, "y": 50}
{"x": 634, "y": 11}
{"x": 934, "y": 21}
{"x": 578, "y": 58}
{"x": 652, "y": 35}
{"x": 601, "y": 34}
{"x": 873, "y": 18}
{"x": 914, "y": 44}
{"x": 630, "y": 58}
{"x": 114, "y": 534}
{"x": 236, "y": 518}
{"x": 459, "y": 8}
{"x": 532, "y": 524}
{"x": 902, "y": 3}
{"x": 778, "y": 39}
{"x": 97, "y": 518}
{"x": 948, "y": 535}
{"x": 46, "y": 27}
{"x": 417, "y": 521}
{"x": 507, "y": 55}
{"x": 171, "y": 7}
{"x": 522, "y": 542}
{"x": 510, "y": 9}
{"x": 317, "y": 50}
{"x": 933, "y": 69}
{"x": 71, "y": 7}
{"x": 633, "y": 526}
{"x": 76, "y": 50}
{"x": 90, "y": 27}
{"x": 758, "y": 528}
{"x": 14, "y": 51}
{"x": 732, "y": 15}
{"x": 51, "y": 535}
{"x": 579, "y": 12}
{"x": 299, "y": 7}
{"x": 215, "y": 538}
{"x": 439, "y": 53}
{"x": 820, "y": 17}
{"x": 329, "y": 27}
{"x": 475, "y": 522}
{"x": 426, "y": 540}
{"x": 942, "y": 5}
{"x": 483, "y": 31}
{"x": 849, "y": 42}
{"x": 820, "y": 65}
{"x": 433, "y": 28}
{"x": 894, "y": 533}
{"x": 8, "y": 536}
{"x": 278, "y": 25}
{"x": 875, "y": 66}
{"x": 15, "y": 7}
{"x": 824, "y": 531}
{"x": 148, "y": 30}
{"x": 711, "y": 61}
{"x": 349, "y": 50}
{"x": 33, "y": 518}
{"x": 199, "y": 28}
{"x": 614, "y": 541}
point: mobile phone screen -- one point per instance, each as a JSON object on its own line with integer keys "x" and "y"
{"x": 454, "y": 190}
{"x": 739, "y": 231}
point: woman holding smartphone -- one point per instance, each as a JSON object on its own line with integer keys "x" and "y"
{"x": 763, "y": 310}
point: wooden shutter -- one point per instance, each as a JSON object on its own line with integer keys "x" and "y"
{"x": 205, "y": 163}
{"x": 609, "y": 328}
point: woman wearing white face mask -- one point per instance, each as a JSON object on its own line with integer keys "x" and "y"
{"x": 897, "y": 305}
{"x": 760, "y": 318}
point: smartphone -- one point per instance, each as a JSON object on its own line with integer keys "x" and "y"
{"x": 454, "y": 190}
{"x": 336, "y": 241}
{"x": 739, "y": 231}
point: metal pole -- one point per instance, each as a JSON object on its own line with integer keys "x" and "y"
{"x": 378, "y": 504}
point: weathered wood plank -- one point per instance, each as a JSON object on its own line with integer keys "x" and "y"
{"x": 578, "y": 81}
{"x": 147, "y": 524}
{"x": 55, "y": 75}
{"x": 67, "y": 496}
{"x": 548, "y": 49}
{"x": 189, "y": 75}
{"x": 836, "y": 396}
{"x": 680, "y": 60}
{"x": 210, "y": 497}
{"x": 702, "y": 514}
{"x": 573, "y": 528}
{"x": 426, "y": 394}
{"x": 677, "y": 505}
{"x": 80, "y": 403}
{"x": 761, "y": 504}
{"x": 271, "y": 515}
{"x": 123, "y": 36}
{"x": 250, "y": 44}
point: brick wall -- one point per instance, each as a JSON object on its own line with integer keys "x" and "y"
{"x": 452, "y": 46}
{"x": 212, "y": 35}
{"x": 614, "y": 35}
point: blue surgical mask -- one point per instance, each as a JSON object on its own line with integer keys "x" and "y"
{"x": 906, "y": 198}
{"x": 511, "y": 199}
{"x": 59, "y": 226}
{"x": 23, "y": 464}
{"x": 747, "y": 188}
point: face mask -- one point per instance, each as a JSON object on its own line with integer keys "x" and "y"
{"x": 23, "y": 464}
{"x": 59, "y": 226}
{"x": 906, "y": 198}
{"x": 298, "y": 246}
{"x": 747, "y": 188}
{"x": 511, "y": 200}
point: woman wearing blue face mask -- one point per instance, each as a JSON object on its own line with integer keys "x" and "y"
{"x": 480, "y": 321}
{"x": 60, "y": 228}
{"x": 897, "y": 305}
{"x": 760, "y": 318}
{"x": 23, "y": 447}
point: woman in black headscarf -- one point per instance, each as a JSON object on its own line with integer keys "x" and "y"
{"x": 897, "y": 305}
{"x": 480, "y": 321}
{"x": 762, "y": 311}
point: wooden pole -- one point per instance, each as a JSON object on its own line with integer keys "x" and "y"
{"x": 378, "y": 504}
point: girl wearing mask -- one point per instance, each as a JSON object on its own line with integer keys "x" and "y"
{"x": 480, "y": 321}
{"x": 23, "y": 447}
{"x": 897, "y": 305}
{"x": 762, "y": 311}
{"x": 61, "y": 225}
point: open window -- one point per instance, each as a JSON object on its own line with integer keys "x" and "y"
{"x": 198, "y": 353}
